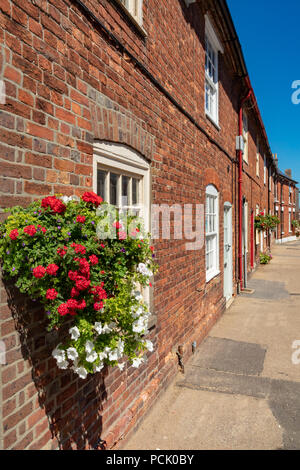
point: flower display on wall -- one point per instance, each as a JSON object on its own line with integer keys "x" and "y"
{"x": 86, "y": 263}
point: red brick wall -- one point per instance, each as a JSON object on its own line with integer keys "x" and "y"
{"x": 285, "y": 230}
{"x": 67, "y": 85}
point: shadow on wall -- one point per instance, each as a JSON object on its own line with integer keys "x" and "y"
{"x": 72, "y": 406}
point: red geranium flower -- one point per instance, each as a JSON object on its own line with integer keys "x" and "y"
{"x": 82, "y": 283}
{"x": 93, "y": 259}
{"x": 14, "y": 234}
{"x": 79, "y": 248}
{"x": 99, "y": 292}
{"x": 51, "y": 294}
{"x": 122, "y": 235}
{"x": 117, "y": 225}
{"x": 62, "y": 251}
{"x": 98, "y": 306}
{"x": 92, "y": 197}
{"x": 55, "y": 204}
{"x": 74, "y": 292}
{"x": 73, "y": 275}
{"x": 81, "y": 305}
{"x": 63, "y": 310}
{"x": 80, "y": 219}
{"x": 72, "y": 303}
{"x": 84, "y": 267}
{"x": 43, "y": 229}
{"x": 52, "y": 269}
{"x": 39, "y": 272}
{"x": 30, "y": 230}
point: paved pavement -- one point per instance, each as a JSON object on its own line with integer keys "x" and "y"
{"x": 241, "y": 389}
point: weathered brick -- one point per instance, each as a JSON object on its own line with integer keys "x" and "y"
{"x": 35, "y": 188}
{"x": 40, "y": 131}
{"x": 12, "y": 74}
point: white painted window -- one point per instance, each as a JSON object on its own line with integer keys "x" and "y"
{"x": 257, "y": 157}
{"x": 290, "y": 195}
{"x": 245, "y": 136}
{"x": 122, "y": 178}
{"x": 135, "y": 8}
{"x": 212, "y": 48}
{"x": 265, "y": 232}
{"x": 270, "y": 179}
{"x": 212, "y": 232}
{"x": 265, "y": 170}
{"x": 290, "y": 222}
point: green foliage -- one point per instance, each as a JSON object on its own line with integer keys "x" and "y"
{"x": 83, "y": 260}
{"x": 264, "y": 258}
{"x": 266, "y": 222}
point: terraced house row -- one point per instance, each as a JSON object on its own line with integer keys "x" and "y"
{"x": 148, "y": 100}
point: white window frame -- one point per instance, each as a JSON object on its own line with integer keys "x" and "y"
{"x": 134, "y": 8}
{"x": 120, "y": 159}
{"x": 212, "y": 193}
{"x": 290, "y": 221}
{"x": 213, "y": 44}
{"x": 245, "y": 136}
{"x": 265, "y": 232}
{"x": 265, "y": 170}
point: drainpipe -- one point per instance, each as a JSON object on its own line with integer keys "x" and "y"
{"x": 240, "y": 182}
{"x": 252, "y": 239}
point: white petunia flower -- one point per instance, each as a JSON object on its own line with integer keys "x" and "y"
{"x": 72, "y": 354}
{"x": 89, "y": 346}
{"x": 139, "y": 325}
{"x": 108, "y": 328}
{"x": 59, "y": 355}
{"x": 98, "y": 327}
{"x": 63, "y": 365}
{"x": 81, "y": 371}
{"x": 142, "y": 269}
{"x": 99, "y": 367}
{"x": 92, "y": 357}
{"x": 121, "y": 366}
{"x": 137, "y": 362}
{"x": 74, "y": 332}
{"x": 113, "y": 355}
{"x": 149, "y": 345}
{"x": 66, "y": 199}
{"x": 102, "y": 355}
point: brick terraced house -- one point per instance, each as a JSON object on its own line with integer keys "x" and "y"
{"x": 156, "y": 91}
{"x": 286, "y": 205}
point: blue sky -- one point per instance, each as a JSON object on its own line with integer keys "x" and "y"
{"x": 269, "y": 34}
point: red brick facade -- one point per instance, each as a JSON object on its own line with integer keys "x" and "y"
{"x": 72, "y": 81}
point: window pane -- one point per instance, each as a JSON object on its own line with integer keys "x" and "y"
{"x": 135, "y": 191}
{"x": 101, "y": 175}
{"x": 125, "y": 190}
{"x": 113, "y": 189}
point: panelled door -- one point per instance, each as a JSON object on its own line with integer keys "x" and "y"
{"x": 228, "y": 271}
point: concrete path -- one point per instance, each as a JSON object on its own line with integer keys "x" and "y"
{"x": 241, "y": 389}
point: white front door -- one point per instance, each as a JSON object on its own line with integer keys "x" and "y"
{"x": 227, "y": 251}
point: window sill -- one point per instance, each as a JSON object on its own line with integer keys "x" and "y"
{"x": 212, "y": 121}
{"x": 212, "y": 275}
{"x": 135, "y": 23}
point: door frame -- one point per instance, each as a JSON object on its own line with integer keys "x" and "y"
{"x": 228, "y": 283}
